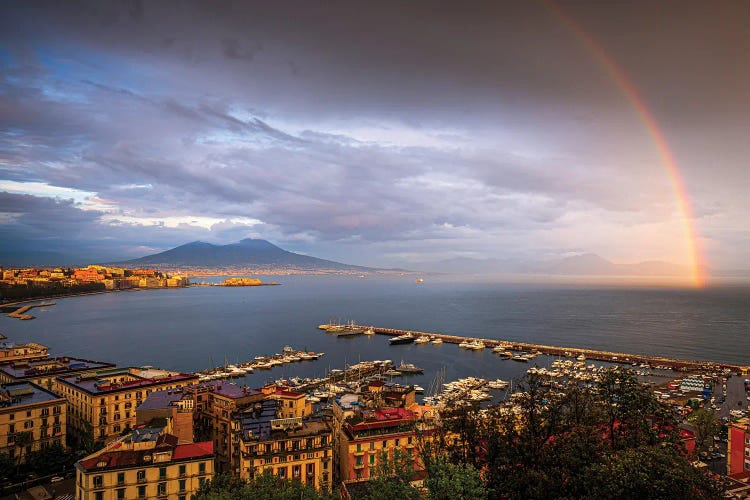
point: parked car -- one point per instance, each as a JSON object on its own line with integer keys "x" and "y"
{"x": 56, "y": 479}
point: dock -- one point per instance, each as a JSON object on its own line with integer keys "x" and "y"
{"x": 684, "y": 365}
{"x": 20, "y": 313}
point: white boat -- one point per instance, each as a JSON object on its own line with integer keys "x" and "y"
{"x": 437, "y": 341}
{"x": 369, "y": 331}
{"x": 424, "y": 339}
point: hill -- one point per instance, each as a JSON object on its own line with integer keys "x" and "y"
{"x": 247, "y": 253}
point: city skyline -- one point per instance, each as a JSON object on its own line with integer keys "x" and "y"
{"x": 377, "y": 136}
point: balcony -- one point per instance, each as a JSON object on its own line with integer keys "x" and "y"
{"x": 359, "y": 466}
{"x": 359, "y": 453}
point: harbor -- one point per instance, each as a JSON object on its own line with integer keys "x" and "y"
{"x": 519, "y": 350}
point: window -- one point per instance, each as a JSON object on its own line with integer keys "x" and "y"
{"x": 162, "y": 472}
{"x": 99, "y": 495}
{"x": 296, "y": 471}
{"x": 28, "y": 424}
{"x": 141, "y": 492}
{"x": 324, "y": 440}
{"x": 359, "y": 461}
{"x": 409, "y": 440}
{"x": 183, "y": 469}
{"x": 281, "y": 472}
{"x": 202, "y": 468}
{"x": 359, "y": 447}
{"x": 372, "y": 459}
{"x": 12, "y": 428}
{"x": 397, "y": 440}
{"x": 12, "y": 416}
{"x": 161, "y": 489}
{"x": 120, "y": 478}
{"x": 28, "y": 413}
{"x": 45, "y": 412}
{"x": 372, "y": 445}
{"x": 385, "y": 444}
{"x": 98, "y": 481}
{"x": 141, "y": 475}
{"x": 121, "y": 494}
{"x": 182, "y": 485}
{"x": 310, "y": 469}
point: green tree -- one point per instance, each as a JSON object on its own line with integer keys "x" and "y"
{"x": 706, "y": 427}
{"x": 449, "y": 481}
{"x": 262, "y": 487}
{"x": 392, "y": 478}
{"x": 649, "y": 472}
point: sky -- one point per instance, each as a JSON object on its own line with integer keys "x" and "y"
{"x": 376, "y": 133}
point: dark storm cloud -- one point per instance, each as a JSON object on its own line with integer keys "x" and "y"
{"x": 373, "y": 126}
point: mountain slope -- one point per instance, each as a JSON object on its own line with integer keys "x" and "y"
{"x": 246, "y": 253}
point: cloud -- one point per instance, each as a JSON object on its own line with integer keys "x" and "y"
{"x": 362, "y": 132}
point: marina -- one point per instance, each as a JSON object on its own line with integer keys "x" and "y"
{"x": 524, "y": 351}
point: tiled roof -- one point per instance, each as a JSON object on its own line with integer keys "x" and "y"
{"x": 193, "y": 450}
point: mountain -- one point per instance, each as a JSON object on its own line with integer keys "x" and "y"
{"x": 577, "y": 265}
{"x": 245, "y": 253}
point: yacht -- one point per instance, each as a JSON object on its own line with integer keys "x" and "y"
{"x": 406, "y": 338}
{"x": 424, "y": 339}
{"x": 437, "y": 341}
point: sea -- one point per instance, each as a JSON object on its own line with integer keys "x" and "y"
{"x": 192, "y": 329}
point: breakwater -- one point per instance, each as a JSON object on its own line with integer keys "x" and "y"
{"x": 599, "y": 355}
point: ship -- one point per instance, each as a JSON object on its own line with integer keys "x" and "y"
{"x": 406, "y": 338}
{"x": 408, "y": 368}
{"x": 419, "y": 280}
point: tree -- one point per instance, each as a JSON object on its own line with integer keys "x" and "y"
{"x": 650, "y": 472}
{"x": 566, "y": 444}
{"x": 706, "y": 427}
{"x": 392, "y": 479}
{"x": 262, "y": 487}
{"x": 449, "y": 481}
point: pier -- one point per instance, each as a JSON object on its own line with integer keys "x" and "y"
{"x": 20, "y": 313}
{"x": 593, "y": 354}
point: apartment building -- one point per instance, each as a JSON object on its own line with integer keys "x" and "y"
{"x": 31, "y": 418}
{"x": 738, "y": 447}
{"x": 147, "y": 463}
{"x": 102, "y": 404}
{"x": 290, "y": 447}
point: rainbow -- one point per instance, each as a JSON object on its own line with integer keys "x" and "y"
{"x": 697, "y": 268}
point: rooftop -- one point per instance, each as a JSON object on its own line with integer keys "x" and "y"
{"x": 99, "y": 386}
{"x": 114, "y": 458}
{"x": 158, "y": 400}
{"x": 24, "y": 393}
{"x": 52, "y": 366}
{"x": 229, "y": 390}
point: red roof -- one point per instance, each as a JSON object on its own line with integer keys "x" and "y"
{"x": 193, "y": 450}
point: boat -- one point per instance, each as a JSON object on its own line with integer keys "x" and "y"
{"x": 408, "y": 368}
{"x": 497, "y": 384}
{"x": 419, "y": 389}
{"x": 506, "y": 355}
{"x": 424, "y": 339}
{"x": 520, "y": 357}
{"x": 392, "y": 373}
{"x": 406, "y": 338}
{"x": 437, "y": 341}
{"x": 419, "y": 280}
{"x": 369, "y": 331}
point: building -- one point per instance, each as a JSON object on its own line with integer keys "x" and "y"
{"x": 10, "y": 352}
{"x": 215, "y": 403}
{"x": 369, "y": 433}
{"x": 147, "y": 463}
{"x": 289, "y": 447}
{"x": 102, "y": 403}
{"x": 174, "y": 409}
{"x": 31, "y": 418}
{"x": 44, "y": 371}
{"x": 738, "y": 455}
